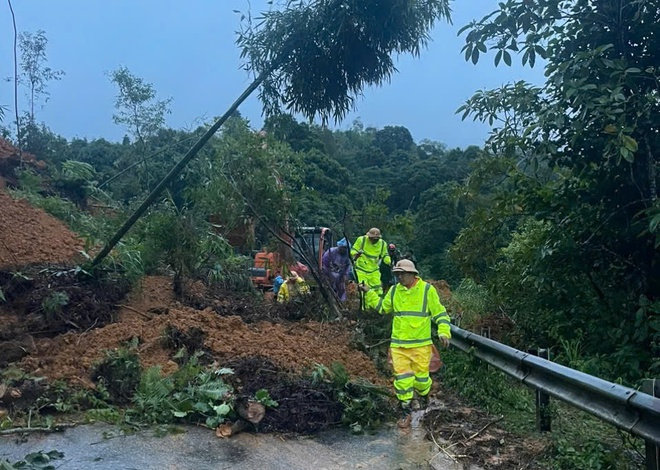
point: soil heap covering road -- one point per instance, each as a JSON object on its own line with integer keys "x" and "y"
{"x": 152, "y": 308}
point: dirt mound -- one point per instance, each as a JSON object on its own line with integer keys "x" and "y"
{"x": 291, "y": 346}
{"x": 45, "y": 301}
{"x": 303, "y": 407}
{"x": 29, "y": 235}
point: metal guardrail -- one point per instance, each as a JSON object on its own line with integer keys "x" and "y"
{"x": 623, "y": 407}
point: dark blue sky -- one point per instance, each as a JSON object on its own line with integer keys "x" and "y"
{"x": 187, "y": 51}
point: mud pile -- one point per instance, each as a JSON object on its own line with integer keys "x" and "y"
{"x": 29, "y": 235}
{"x": 294, "y": 346}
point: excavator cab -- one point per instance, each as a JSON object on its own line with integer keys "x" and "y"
{"x": 314, "y": 241}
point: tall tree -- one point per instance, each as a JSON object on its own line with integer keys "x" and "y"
{"x": 137, "y": 107}
{"x": 35, "y": 74}
{"x": 138, "y": 110}
{"x": 581, "y": 192}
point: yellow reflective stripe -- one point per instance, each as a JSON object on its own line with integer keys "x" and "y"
{"x": 423, "y": 379}
{"x": 405, "y": 391}
{"x": 442, "y": 322}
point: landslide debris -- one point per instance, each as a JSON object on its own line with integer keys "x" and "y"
{"x": 31, "y": 236}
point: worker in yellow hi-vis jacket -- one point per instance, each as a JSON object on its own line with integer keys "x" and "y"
{"x": 368, "y": 252}
{"x": 414, "y": 304}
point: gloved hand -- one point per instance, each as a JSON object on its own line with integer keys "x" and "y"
{"x": 444, "y": 341}
{"x": 359, "y": 253}
{"x": 363, "y": 287}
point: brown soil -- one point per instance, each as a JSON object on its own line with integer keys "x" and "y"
{"x": 45, "y": 301}
{"x": 29, "y": 235}
{"x": 292, "y": 346}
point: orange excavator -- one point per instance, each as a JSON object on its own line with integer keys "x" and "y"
{"x": 308, "y": 248}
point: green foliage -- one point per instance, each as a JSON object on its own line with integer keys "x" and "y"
{"x": 488, "y": 388}
{"x": 35, "y": 461}
{"x": 53, "y": 303}
{"x": 263, "y": 397}
{"x": 35, "y": 74}
{"x": 136, "y": 105}
{"x": 29, "y": 180}
{"x": 77, "y": 171}
{"x": 127, "y": 260}
{"x": 580, "y": 441}
{"x": 365, "y": 406}
{"x": 248, "y": 174}
{"x": 472, "y": 301}
{"x": 316, "y": 59}
{"x": 191, "y": 394}
{"x": 567, "y": 220}
{"x": 119, "y": 372}
{"x": 64, "y": 399}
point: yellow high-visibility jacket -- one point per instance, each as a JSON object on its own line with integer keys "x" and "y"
{"x": 413, "y": 309}
{"x": 288, "y": 292}
{"x": 367, "y": 263}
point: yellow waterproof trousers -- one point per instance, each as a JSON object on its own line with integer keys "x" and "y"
{"x": 372, "y": 279}
{"x": 411, "y": 371}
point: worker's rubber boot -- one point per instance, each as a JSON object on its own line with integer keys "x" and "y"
{"x": 406, "y": 415}
{"x": 423, "y": 402}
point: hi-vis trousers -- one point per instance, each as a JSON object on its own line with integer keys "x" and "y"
{"x": 411, "y": 371}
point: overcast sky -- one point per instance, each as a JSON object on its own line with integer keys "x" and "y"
{"x": 187, "y": 51}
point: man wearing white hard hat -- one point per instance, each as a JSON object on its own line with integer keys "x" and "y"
{"x": 415, "y": 305}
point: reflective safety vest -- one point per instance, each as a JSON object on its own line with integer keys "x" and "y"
{"x": 288, "y": 292}
{"x": 371, "y": 254}
{"x": 413, "y": 309}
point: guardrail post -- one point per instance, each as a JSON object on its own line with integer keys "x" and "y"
{"x": 652, "y": 387}
{"x": 543, "y": 418}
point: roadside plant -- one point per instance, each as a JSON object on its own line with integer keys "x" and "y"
{"x": 365, "y": 405}
{"x": 263, "y": 397}
{"x": 35, "y": 461}
{"x": 54, "y": 303}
